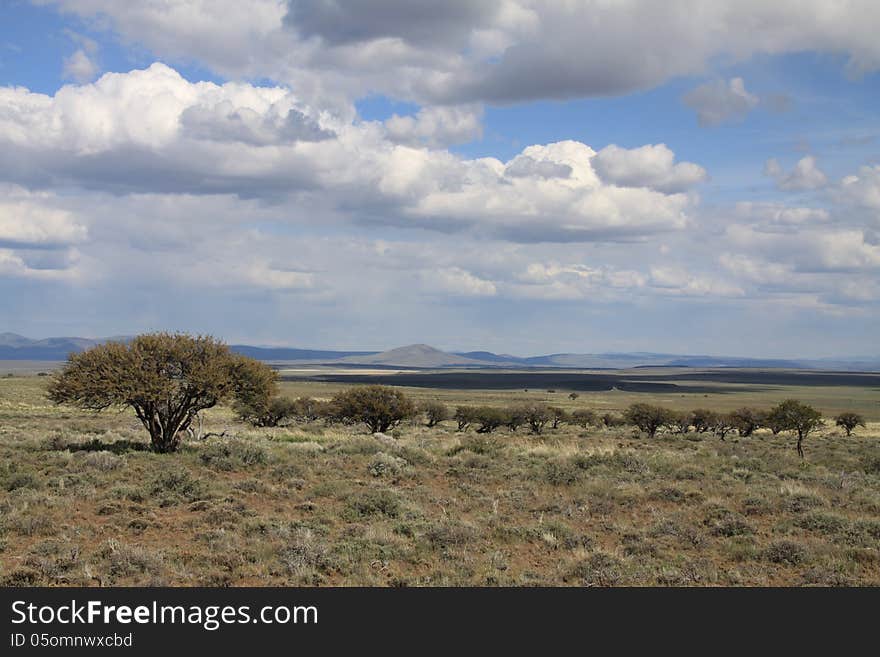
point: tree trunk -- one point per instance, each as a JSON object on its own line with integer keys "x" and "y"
{"x": 167, "y": 437}
{"x": 800, "y": 448}
{"x": 165, "y": 443}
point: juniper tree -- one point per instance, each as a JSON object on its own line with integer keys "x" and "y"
{"x": 792, "y": 415}
{"x": 379, "y": 407}
{"x": 167, "y": 378}
{"x": 647, "y": 418}
{"x": 849, "y": 421}
{"x": 435, "y": 413}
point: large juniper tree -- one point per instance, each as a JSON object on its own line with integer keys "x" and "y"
{"x": 166, "y": 378}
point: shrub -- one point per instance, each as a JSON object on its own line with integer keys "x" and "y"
{"x": 516, "y": 417}
{"x": 306, "y": 555}
{"x": 599, "y": 569}
{"x": 103, "y": 460}
{"x": 620, "y": 461}
{"x": 647, "y": 418}
{"x": 307, "y": 409}
{"x": 449, "y": 534}
{"x": 584, "y": 418}
{"x": 465, "y": 416}
{"x": 610, "y": 420}
{"x": 557, "y": 416}
{"x": 380, "y": 502}
{"x": 379, "y": 407}
{"x": 800, "y": 502}
{"x": 386, "y": 465}
{"x": 679, "y": 422}
{"x": 561, "y": 472}
{"x": 732, "y": 526}
{"x": 435, "y": 413}
{"x": 489, "y": 418}
{"x": 19, "y": 480}
{"x": 477, "y": 445}
{"x": 723, "y": 425}
{"x": 266, "y": 413}
{"x": 126, "y": 560}
{"x": 703, "y": 420}
{"x": 849, "y": 421}
{"x": 177, "y": 483}
{"x": 786, "y": 552}
{"x": 745, "y": 421}
{"x": 871, "y": 464}
{"x": 227, "y": 455}
{"x": 537, "y": 416}
{"x": 824, "y": 523}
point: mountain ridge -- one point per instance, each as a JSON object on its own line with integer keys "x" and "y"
{"x": 422, "y": 356}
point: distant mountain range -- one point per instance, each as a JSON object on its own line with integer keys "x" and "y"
{"x": 422, "y": 356}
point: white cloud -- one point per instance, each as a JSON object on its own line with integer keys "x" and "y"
{"x": 494, "y": 51}
{"x": 806, "y": 175}
{"x": 647, "y": 166}
{"x": 80, "y": 67}
{"x": 455, "y": 281}
{"x": 436, "y": 126}
{"x": 862, "y": 189}
{"x": 780, "y": 214}
{"x": 717, "y": 102}
{"x": 26, "y": 220}
{"x": 810, "y": 250}
{"x": 14, "y": 265}
{"x": 756, "y": 270}
{"x": 554, "y": 281}
{"x": 153, "y": 131}
{"x": 675, "y": 279}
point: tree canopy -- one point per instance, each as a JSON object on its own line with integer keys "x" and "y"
{"x": 166, "y": 378}
{"x": 792, "y": 415}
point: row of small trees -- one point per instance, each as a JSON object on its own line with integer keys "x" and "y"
{"x": 789, "y": 415}
{"x": 168, "y": 379}
{"x": 381, "y": 408}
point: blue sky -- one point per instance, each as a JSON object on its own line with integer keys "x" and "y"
{"x": 525, "y": 176}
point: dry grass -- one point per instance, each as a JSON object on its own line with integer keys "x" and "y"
{"x": 83, "y": 503}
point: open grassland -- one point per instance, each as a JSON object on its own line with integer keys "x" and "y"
{"x": 717, "y": 396}
{"x": 82, "y": 501}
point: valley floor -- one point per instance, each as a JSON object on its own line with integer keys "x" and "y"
{"x": 83, "y": 503}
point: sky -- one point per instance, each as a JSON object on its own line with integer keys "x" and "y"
{"x": 522, "y": 176}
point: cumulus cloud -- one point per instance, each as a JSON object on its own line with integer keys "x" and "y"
{"x": 497, "y": 51}
{"x": 455, "y": 281}
{"x": 780, "y": 214}
{"x": 862, "y": 189}
{"x": 556, "y": 281}
{"x": 80, "y": 67}
{"x": 806, "y": 175}
{"x": 153, "y": 131}
{"x": 717, "y": 102}
{"x": 757, "y": 270}
{"x": 814, "y": 250}
{"x": 647, "y": 166}
{"x": 225, "y": 122}
{"x": 26, "y": 220}
{"x": 607, "y": 283}
{"x": 675, "y": 279}
{"x": 436, "y": 126}
{"x": 824, "y": 258}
